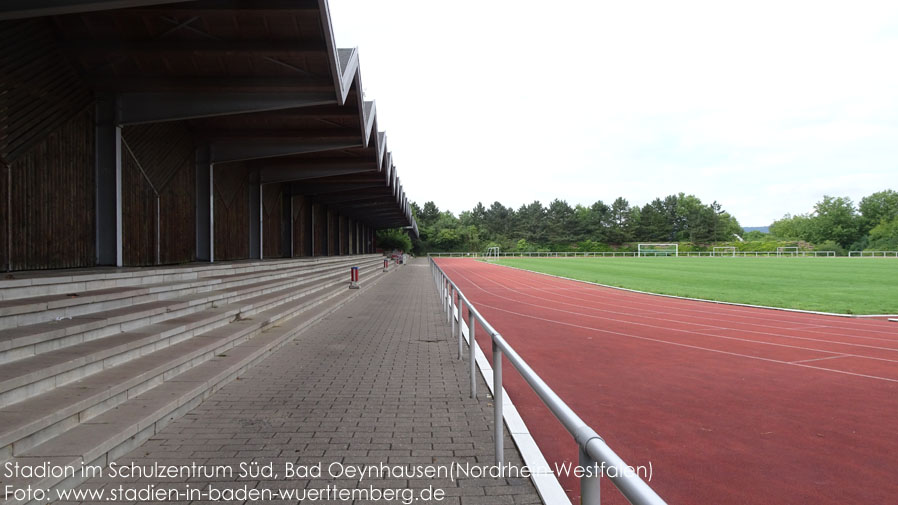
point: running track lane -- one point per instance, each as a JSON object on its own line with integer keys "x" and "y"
{"x": 730, "y": 405}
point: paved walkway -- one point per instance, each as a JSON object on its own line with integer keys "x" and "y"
{"x": 376, "y": 382}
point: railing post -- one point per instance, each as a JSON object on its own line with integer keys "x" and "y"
{"x": 445, "y": 292}
{"x": 449, "y": 291}
{"x": 451, "y": 312}
{"x": 461, "y": 335}
{"x": 590, "y": 485}
{"x": 497, "y": 404}
{"x": 472, "y": 347}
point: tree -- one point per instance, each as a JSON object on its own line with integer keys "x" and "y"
{"x": 621, "y": 229}
{"x": 560, "y": 222}
{"x": 599, "y": 221}
{"x": 478, "y": 215}
{"x": 835, "y": 219}
{"x": 792, "y": 227}
{"x": 884, "y": 236}
{"x": 531, "y": 223}
{"x": 653, "y": 223}
{"x": 429, "y": 214}
{"x": 497, "y": 219}
{"x": 394, "y": 238}
{"x": 877, "y": 208}
{"x": 726, "y": 227}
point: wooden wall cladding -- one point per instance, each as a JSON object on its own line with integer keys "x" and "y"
{"x": 320, "y": 229}
{"x": 46, "y": 153}
{"x": 52, "y": 200}
{"x": 138, "y": 215}
{"x": 158, "y": 162}
{"x": 179, "y": 217}
{"x": 5, "y": 174}
{"x": 39, "y": 91}
{"x": 272, "y": 219}
{"x": 231, "y": 208}
{"x": 301, "y": 210}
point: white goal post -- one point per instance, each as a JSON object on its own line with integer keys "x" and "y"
{"x": 658, "y": 249}
{"x": 492, "y": 252}
{"x": 790, "y": 251}
{"x": 724, "y": 251}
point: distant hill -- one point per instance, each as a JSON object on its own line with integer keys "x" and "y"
{"x": 762, "y": 229}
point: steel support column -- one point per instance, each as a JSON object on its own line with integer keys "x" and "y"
{"x": 350, "y": 242}
{"x": 255, "y": 217}
{"x": 108, "y": 182}
{"x": 339, "y": 235}
{"x": 312, "y": 230}
{"x": 364, "y": 240}
{"x": 329, "y": 232}
{"x": 205, "y": 215}
{"x": 287, "y": 223}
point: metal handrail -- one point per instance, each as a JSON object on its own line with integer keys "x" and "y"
{"x": 595, "y": 454}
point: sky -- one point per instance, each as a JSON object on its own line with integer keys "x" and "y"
{"x": 762, "y": 106}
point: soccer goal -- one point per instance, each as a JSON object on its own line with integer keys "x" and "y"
{"x": 492, "y": 252}
{"x": 724, "y": 251}
{"x": 787, "y": 251}
{"x": 659, "y": 249}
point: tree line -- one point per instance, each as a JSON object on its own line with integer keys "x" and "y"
{"x": 872, "y": 224}
{"x": 561, "y": 227}
{"x": 835, "y": 224}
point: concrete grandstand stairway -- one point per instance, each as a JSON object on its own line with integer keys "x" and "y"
{"x": 92, "y": 363}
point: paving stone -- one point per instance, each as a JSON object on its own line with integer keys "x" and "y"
{"x": 374, "y": 383}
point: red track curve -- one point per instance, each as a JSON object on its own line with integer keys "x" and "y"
{"x": 730, "y": 405}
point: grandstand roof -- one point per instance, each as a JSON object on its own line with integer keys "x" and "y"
{"x": 260, "y": 81}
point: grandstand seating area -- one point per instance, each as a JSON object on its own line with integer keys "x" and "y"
{"x": 93, "y": 362}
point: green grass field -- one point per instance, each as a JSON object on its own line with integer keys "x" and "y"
{"x": 842, "y": 285}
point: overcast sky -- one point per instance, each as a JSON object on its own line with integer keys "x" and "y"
{"x": 762, "y": 106}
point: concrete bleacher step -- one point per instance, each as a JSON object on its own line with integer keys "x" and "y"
{"x": 24, "y": 378}
{"x": 51, "y": 289}
{"x": 32, "y": 421}
{"x": 27, "y": 340}
{"x": 16, "y": 312}
{"x": 146, "y": 404}
{"x": 42, "y": 283}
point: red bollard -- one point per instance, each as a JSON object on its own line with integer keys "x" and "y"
{"x": 354, "y": 278}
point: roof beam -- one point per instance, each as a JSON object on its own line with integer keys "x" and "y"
{"x": 251, "y": 150}
{"x": 234, "y": 7}
{"x": 331, "y": 200}
{"x": 136, "y": 108}
{"x": 327, "y": 112}
{"x": 303, "y": 163}
{"x": 21, "y": 9}
{"x": 292, "y": 48}
{"x": 222, "y": 134}
{"x": 288, "y": 174}
{"x": 304, "y": 188}
{"x": 207, "y": 84}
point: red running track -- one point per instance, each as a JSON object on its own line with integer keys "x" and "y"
{"x": 729, "y": 405}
